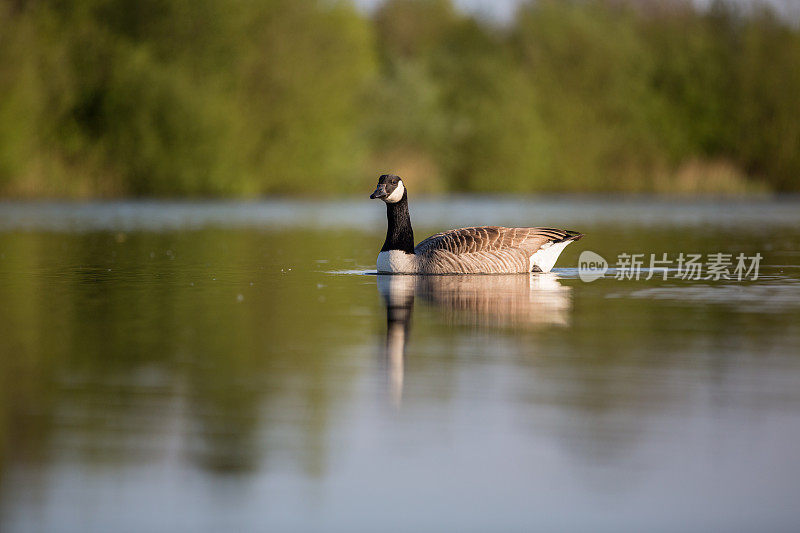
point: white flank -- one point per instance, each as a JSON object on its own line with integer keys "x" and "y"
{"x": 397, "y": 262}
{"x": 397, "y": 194}
{"x": 546, "y": 256}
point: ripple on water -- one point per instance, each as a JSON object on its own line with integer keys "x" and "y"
{"x": 353, "y": 272}
{"x": 766, "y": 298}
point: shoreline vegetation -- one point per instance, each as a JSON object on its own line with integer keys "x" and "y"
{"x": 240, "y": 99}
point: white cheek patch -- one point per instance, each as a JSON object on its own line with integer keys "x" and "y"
{"x": 397, "y": 194}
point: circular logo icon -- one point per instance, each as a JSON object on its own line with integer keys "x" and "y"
{"x": 591, "y": 266}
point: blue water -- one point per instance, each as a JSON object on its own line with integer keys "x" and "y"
{"x": 227, "y": 366}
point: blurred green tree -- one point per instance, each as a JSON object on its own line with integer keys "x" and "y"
{"x": 206, "y": 97}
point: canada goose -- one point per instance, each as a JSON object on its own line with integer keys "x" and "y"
{"x": 481, "y": 250}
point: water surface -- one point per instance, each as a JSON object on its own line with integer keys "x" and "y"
{"x": 223, "y": 366}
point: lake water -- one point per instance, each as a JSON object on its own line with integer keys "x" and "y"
{"x": 236, "y": 367}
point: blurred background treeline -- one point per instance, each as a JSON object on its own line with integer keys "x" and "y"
{"x": 108, "y": 98}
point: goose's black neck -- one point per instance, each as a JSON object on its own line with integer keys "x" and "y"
{"x": 399, "y": 235}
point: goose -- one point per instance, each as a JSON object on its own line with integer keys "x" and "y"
{"x": 477, "y": 250}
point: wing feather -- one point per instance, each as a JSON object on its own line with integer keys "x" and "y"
{"x": 493, "y": 239}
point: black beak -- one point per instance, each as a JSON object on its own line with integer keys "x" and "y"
{"x": 380, "y": 192}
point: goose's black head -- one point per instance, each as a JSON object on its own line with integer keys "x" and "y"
{"x": 390, "y": 189}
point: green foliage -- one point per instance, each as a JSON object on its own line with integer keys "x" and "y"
{"x": 596, "y": 99}
{"x": 496, "y": 137}
{"x": 768, "y": 122}
{"x": 205, "y": 97}
{"x": 170, "y": 98}
{"x": 300, "y": 92}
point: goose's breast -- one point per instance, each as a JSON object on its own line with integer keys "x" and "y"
{"x": 398, "y": 262}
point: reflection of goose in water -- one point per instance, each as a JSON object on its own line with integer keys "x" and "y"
{"x": 482, "y": 250}
{"x": 527, "y": 301}
{"x": 398, "y": 297}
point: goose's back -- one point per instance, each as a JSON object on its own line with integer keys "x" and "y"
{"x": 486, "y": 249}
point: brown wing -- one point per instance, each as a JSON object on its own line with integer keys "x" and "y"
{"x": 493, "y": 239}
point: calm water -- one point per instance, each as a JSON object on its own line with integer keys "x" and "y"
{"x": 213, "y": 367}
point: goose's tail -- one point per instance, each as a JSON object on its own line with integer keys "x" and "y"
{"x": 569, "y": 235}
{"x": 545, "y": 257}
